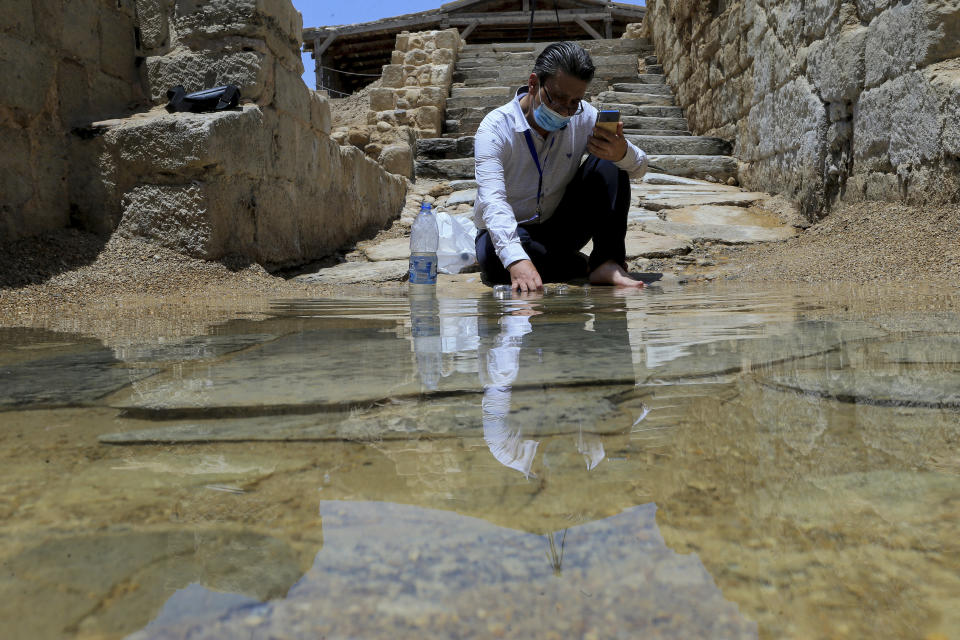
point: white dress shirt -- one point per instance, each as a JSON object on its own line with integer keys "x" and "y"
{"x": 507, "y": 176}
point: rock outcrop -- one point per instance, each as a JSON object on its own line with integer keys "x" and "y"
{"x": 830, "y": 100}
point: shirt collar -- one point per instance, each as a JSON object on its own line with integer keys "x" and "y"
{"x": 520, "y": 123}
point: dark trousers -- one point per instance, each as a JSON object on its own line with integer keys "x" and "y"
{"x": 594, "y": 206}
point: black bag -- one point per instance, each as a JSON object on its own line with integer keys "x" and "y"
{"x": 216, "y": 99}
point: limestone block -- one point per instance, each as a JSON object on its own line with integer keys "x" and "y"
{"x": 291, "y": 95}
{"x": 382, "y": 99}
{"x": 397, "y": 159}
{"x": 946, "y": 82}
{"x": 869, "y": 9}
{"x": 432, "y": 97}
{"x": 429, "y": 119}
{"x": 358, "y": 137}
{"x": 27, "y": 82}
{"x": 441, "y": 75}
{"x": 176, "y": 217}
{"x": 117, "y": 45}
{"x": 81, "y": 40}
{"x": 448, "y": 39}
{"x": 909, "y": 36}
{"x": 836, "y": 66}
{"x": 442, "y": 56}
{"x": 411, "y": 95}
{"x": 320, "y": 118}
{"x": 276, "y": 21}
{"x": 730, "y": 57}
{"x": 817, "y": 15}
{"x": 73, "y": 93}
{"x": 415, "y": 57}
{"x": 153, "y": 22}
{"x": 396, "y": 57}
{"x": 110, "y": 96}
{"x": 403, "y": 41}
{"x": 18, "y": 18}
{"x": 252, "y": 71}
{"x": 415, "y": 41}
{"x": 373, "y": 150}
{"x": 393, "y": 76}
{"x": 188, "y": 145}
{"x": 898, "y": 123}
{"x": 16, "y": 179}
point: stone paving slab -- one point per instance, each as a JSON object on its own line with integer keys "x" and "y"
{"x": 724, "y": 234}
{"x": 677, "y": 200}
{"x": 392, "y": 249}
{"x": 654, "y": 178}
{"x": 641, "y": 244}
{"x": 938, "y": 389}
{"x": 357, "y": 272}
{"x": 712, "y": 214}
{"x": 466, "y": 196}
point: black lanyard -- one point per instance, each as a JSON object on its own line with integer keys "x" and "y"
{"x": 536, "y": 161}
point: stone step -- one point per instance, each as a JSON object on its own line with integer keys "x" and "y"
{"x": 656, "y": 69}
{"x": 682, "y": 145}
{"x": 642, "y": 82}
{"x": 444, "y": 148}
{"x": 640, "y": 99}
{"x": 477, "y": 102}
{"x": 720, "y": 167}
{"x": 648, "y": 60}
{"x": 650, "y": 111}
{"x": 481, "y": 92}
{"x": 449, "y": 169}
{"x": 637, "y": 88}
{"x": 655, "y": 132}
{"x": 471, "y": 114}
{"x": 643, "y": 122}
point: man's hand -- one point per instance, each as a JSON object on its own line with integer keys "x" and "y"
{"x": 524, "y": 276}
{"x": 606, "y": 145}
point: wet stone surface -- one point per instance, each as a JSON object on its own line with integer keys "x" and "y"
{"x": 675, "y": 462}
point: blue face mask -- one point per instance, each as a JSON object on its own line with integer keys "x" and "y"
{"x": 548, "y": 119}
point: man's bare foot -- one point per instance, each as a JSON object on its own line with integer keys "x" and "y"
{"x": 612, "y": 273}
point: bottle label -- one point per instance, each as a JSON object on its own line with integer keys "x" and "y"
{"x": 423, "y": 269}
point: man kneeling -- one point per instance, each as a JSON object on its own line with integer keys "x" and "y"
{"x": 537, "y": 205}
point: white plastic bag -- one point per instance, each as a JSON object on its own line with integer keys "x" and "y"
{"x": 457, "y": 249}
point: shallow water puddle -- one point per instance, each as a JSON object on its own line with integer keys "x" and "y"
{"x": 678, "y": 463}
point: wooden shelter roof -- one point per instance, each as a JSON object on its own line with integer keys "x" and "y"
{"x": 350, "y": 56}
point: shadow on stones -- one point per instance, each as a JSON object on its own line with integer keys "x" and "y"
{"x": 37, "y": 259}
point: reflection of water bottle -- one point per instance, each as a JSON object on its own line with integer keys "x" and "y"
{"x": 425, "y": 329}
{"x": 424, "y": 240}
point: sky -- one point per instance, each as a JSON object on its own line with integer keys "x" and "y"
{"x": 322, "y": 13}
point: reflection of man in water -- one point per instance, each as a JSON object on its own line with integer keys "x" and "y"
{"x": 555, "y": 342}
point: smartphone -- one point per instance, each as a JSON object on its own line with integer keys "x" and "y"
{"x": 608, "y": 120}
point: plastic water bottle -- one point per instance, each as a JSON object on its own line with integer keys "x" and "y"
{"x": 424, "y": 240}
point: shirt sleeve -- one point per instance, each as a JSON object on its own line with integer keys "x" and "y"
{"x": 490, "y": 147}
{"x": 634, "y": 162}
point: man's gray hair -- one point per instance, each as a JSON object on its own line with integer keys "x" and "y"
{"x": 568, "y": 57}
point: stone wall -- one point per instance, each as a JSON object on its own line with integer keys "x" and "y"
{"x": 416, "y": 83}
{"x": 825, "y": 100}
{"x": 62, "y": 63}
{"x": 265, "y": 181}
{"x": 408, "y": 101}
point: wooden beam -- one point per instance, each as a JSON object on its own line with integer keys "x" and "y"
{"x": 526, "y": 5}
{"x": 470, "y": 27}
{"x": 518, "y": 17}
{"x": 608, "y": 28}
{"x": 317, "y": 52}
{"x": 586, "y": 27}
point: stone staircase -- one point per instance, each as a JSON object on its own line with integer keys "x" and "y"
{"x": 486, "y": 77}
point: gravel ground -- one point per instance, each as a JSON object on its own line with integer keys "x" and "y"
{"x": 862, "y": 242}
